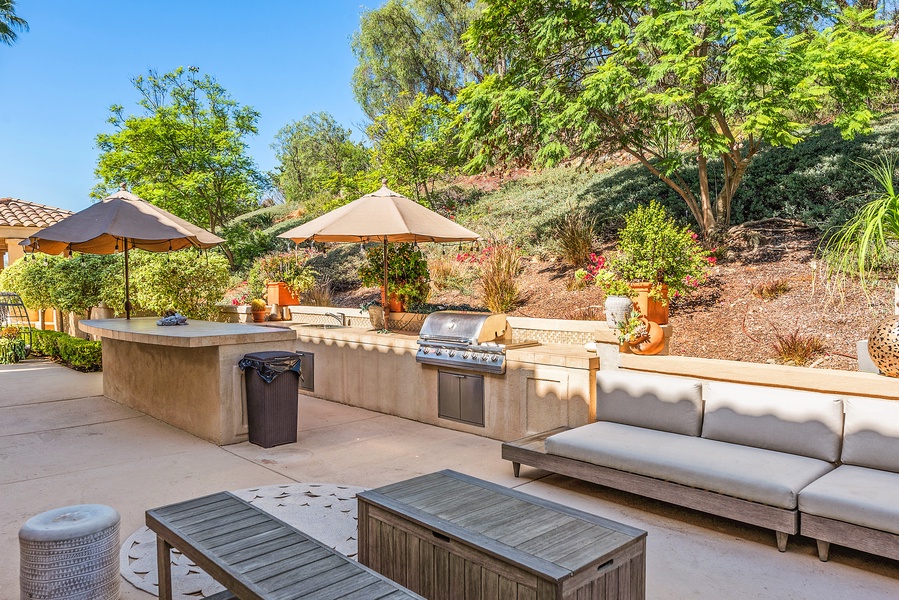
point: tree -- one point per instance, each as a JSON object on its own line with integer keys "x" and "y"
{"x": 673, "y": 84}
{"x": 10, "y": 23}
{"x": 413, "y": 46}
{"x": 186, "y": 152}
{"x": 317, "y": 155}
{"x": 31, "y": 278}
{"x": 415, "y": 143}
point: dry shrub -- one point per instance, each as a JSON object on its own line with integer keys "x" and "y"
{"x": 768, "y": 290}
{"x": 321, "y": 294}
{"x": 444, "y": 270}
{"x": 500, "y": 268}
{"x": 576, "y": 231}
{"x": 796, "y": 347}
{"x": 587, "y": 313}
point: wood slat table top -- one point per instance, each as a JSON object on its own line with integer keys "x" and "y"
{"x": 256, "y": 555}
{"x": 544, "y": 537}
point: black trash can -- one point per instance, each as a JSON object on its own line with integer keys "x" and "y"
{"x": 272, "y": 386}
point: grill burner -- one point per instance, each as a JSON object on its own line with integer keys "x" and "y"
{"x": 471, "y": 341}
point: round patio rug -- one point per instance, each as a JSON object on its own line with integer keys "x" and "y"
{"x": 324, "y": 511}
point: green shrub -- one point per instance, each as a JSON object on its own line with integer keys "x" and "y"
{"x": 12, "y": 350}
{"x": 82, "y": 355}
{"x": 45, "y": 342}
{"x": 187, "y": 281}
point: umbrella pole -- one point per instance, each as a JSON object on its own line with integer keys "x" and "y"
{"x": 384, "y": 296}
{"x": 127, "y": 285}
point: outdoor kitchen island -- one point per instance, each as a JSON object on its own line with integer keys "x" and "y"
{"x": 543, "y": 387}
{"x": 187, "y": 375}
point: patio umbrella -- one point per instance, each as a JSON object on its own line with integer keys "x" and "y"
{"x": 121, "y": 221}
{"x": 383, "y": 216}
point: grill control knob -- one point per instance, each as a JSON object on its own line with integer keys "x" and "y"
{"x": 484, "y": 357}
{"x": 466, "y": 354}
{"x": 437, "y": 352}
{"x": 452, "y": 353}
{"x": 426, "y": 350}
{"x": 494, "y": 358}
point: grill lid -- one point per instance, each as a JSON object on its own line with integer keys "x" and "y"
{"x": 464, "y": 327}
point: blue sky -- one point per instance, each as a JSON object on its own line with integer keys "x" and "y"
{"x": 284, "y": 58}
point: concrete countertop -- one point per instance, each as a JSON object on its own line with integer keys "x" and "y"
{"x": 196, "y": 334}
{"x": 563, "y": 355}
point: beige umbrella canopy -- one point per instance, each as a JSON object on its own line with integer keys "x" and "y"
{"x": 121, "y": 221}
{"x": 383, "y": 216}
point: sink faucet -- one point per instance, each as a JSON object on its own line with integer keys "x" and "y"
{"x": 341, "y": 318}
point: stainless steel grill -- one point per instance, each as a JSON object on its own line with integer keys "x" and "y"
{"x": 470, "y": 341}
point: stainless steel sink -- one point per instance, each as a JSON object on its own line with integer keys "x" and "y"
{"x": 323, "y": 326}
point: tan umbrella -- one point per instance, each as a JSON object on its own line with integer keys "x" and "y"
{"x": 121, "y": 221}
{"x": 383, "y": 216}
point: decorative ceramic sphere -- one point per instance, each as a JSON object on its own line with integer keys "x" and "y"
{"x": 883, "y": 346}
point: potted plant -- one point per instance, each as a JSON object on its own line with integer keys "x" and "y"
{"x": 284, "y": 276}
{"x": 258, "y": 306}
{"x": 639, "y": 335}
{"x": 375, "y": 313}
{"x": 658, "y": 258}
{"x": 407, "y": 274}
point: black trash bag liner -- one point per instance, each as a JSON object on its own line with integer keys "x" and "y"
{"x": 271, "y": 364}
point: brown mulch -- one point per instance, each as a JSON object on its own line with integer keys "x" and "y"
{"x": 724, "y": 319}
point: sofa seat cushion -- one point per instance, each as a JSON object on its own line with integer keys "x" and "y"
{"x": 764, "y": 476}
{"x": 857, "y": 495}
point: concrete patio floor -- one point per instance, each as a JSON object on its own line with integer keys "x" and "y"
{"x": 62, "y": 442}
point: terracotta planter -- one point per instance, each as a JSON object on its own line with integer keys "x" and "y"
{"x": 258, "y": 316}
{"x": 653, "y": 310}
{"x": 278, "y": 293}
{"x": 395, "y": 304}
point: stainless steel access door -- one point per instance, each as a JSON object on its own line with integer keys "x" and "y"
{"x": 460, "y": 397}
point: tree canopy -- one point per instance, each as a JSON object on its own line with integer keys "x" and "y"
{"x": 415, "y": 144}
{"x": 413, "y": 46}
{"x": 11, "y": 24}
{"x": 185, "y": 152}
{"x": 317, "y": 155}
{"x": 673, "y": 84}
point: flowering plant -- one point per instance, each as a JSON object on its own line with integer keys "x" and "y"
{"x": 242, "y": 297}
{"x": 653, "y": 248}
{"x": 287, "y": 267}
{"x": 407, "y": 272}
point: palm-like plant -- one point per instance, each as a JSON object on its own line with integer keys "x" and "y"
{"x": 10, "y": 23}
{"x": 865, "y": 240}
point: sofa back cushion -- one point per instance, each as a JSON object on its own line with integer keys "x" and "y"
{"x": 672, "y": 404}
{"x": 871, "y": 437}
{"x": 804, "y": 423}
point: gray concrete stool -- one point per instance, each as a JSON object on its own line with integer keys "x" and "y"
{"x": 70, "y": 553}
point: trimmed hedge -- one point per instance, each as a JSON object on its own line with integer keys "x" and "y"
{"x": 82, "y": 355}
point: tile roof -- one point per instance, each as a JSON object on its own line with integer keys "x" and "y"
{"x": 20, "y": 213}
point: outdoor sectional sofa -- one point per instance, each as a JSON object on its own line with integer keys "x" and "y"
{"x": 771, "y": 457}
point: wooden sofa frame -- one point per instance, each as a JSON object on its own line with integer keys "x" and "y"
{"x": 531, "y": 451}
{"x": 827, "y": 531}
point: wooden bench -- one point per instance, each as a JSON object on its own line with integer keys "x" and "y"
{"x": 255, "y": 555}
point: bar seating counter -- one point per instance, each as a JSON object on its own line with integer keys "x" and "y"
{"x": 186, "y": 375}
